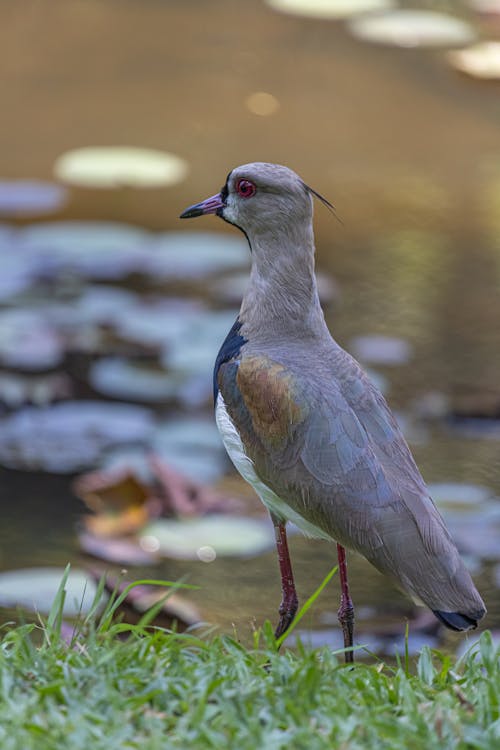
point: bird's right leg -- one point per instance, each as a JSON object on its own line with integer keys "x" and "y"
{"x": 289, "y": 602}
{"x": 346, "y": 609}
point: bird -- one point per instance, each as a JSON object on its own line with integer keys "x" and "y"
{"x": 307, "y": 428}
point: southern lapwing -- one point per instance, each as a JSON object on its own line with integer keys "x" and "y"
{"x": 306, "y": 427}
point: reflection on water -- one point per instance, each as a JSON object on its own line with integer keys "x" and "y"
{"x": 112, "y": 309}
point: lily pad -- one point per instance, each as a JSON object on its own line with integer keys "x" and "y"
{"x": 120, "y": 166}
{"x": 479, "y": 61}
{"x": 454, "y": 495}
{"x": 27, "y": 342}
{"x": 381, "y": 350}
{"x": 100, "y": 250}
{"x": 412, "y": 28}
{"x": 30, "y": 197}
{"x": 195, "y": 350}
{"x": 160, "y": 323}
{"x": 35, "y": 589}
{"x": 71, "y": 435}
{"x": 332, "y": 9}
{"x": 127, "y": 379}
{"x": 193, "y": 447}
{"x": 193, "y": 255}
{"x": 18, "y": 274}
{"x": 207, "y": 537}
{"x": 17, "y": 390}
{"x": 120, "y": 551}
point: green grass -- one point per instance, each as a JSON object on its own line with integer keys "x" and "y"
{"x": 161, "y": 690}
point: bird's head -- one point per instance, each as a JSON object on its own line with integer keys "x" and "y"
{"x": 259, "y": 198}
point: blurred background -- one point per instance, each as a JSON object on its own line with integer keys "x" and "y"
{"x": 116, "y": 115}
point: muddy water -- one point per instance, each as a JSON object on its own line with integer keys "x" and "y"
{"x": 408, "y": 151}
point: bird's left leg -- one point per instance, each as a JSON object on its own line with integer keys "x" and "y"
{"x": 346, "y": 609}
{"x": 289, "y": 602}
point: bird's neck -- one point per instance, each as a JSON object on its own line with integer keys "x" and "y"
{"x": 282, "y": 297}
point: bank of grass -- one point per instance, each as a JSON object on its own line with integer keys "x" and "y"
{"x": 161, "y": 690}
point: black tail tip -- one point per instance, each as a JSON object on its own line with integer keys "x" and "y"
{"x": 458, "y": 621}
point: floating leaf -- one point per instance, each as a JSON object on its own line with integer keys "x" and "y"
{"x": 30, "y": 197}
{"x": 131, "y": 380}
{"x": 381, "y": 350}
{"x": 120, "y": 166}
{"x": 412, "y": 28}
{"x": 454, "y": 495}
{"x": 479, "y": 61}
{"x": 332, "y": 9}
{"x": 17, "y": 390}
{"x": 94, "y": 249}
{"x": 116, "y": 550}
{"x": 160, "y": 323}
{"x": 35, "y": 589}
{"x": 195, "y": 351}
{"x": 27, "y": 342}
{"x": 193, "y": 255}
{"x": 210, "y": 536}
{"x": 69, "y": 436}
{"x": 193, "y": 447}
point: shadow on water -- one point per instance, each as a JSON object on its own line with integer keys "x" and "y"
{"x": 408, "y": 152}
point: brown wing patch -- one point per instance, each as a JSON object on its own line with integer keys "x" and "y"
{"x": 272, "y": 398}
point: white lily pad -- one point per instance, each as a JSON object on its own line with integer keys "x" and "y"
{"x": 27, "y": 342}
{"x": 121, "y": 378}
{"x": 332, "y": 9}
{"x": 381, "y": 350}
{"x": 120, "y": 166}
{"x": 35, "y": 589}
{"x": 30, "y": 197}
{"x": 193, "y": 255}
{"x": 101, "y": 250}
{"x": 104, "y": 304}
{"x": 455, "y": 495}
{"x": 479, "y": 61}
{"x": 18, "y": 273}
{"x": 195, "y": 350}
{"x": 159, "y": 323}
{"x": 412, "y": 28}
{"x": 210, "y": 536}
{"x": 193, "y": 447}
{"x": 69, "y": 436}
{"x": 17, "y": 390}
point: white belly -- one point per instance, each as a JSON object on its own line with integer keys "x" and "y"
{"x": 236, "y": 451}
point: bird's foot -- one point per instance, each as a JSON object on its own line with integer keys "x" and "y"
{"x": 287, "y": 612}
{"x": 346, "y": 618}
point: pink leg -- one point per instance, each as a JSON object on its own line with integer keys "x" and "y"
{"x": 346, "y": 609}
{"x": 289, "y": 602}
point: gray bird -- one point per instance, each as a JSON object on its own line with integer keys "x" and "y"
{"x": 305, "y": 426}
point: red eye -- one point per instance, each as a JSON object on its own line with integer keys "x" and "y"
{"x": 245, "y": 188}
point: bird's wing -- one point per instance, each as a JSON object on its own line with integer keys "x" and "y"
{"x": 343, "y": 466}
{"x": 303, "y": 441}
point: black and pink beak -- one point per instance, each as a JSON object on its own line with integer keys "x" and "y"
{"x": 213, "y": 205}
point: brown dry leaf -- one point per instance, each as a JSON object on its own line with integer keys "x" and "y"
{"x": 182, "y": 496}
{"x": 111, "y": 490}
{"x": 124, "y": 522}
{"x": 118, "y": 498}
